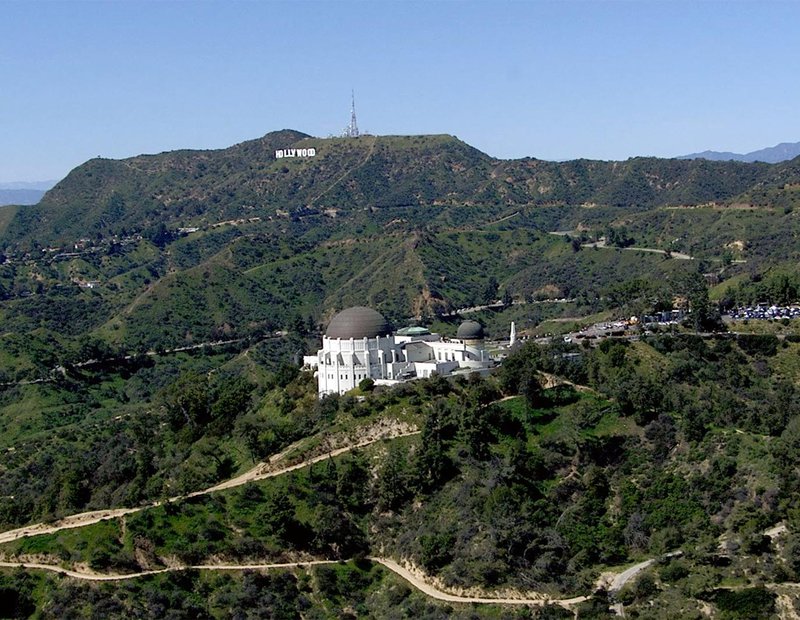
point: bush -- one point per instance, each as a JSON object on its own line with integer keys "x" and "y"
{"x": 674, "y": 571}
{"x": 756, "y": 344}
{"x": 749, "y": 603}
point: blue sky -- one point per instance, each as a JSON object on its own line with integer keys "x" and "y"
{"x": 554, "y": 80}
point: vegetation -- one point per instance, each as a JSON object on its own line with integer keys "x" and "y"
{"x": 154, "y": 310}
{"x": 536, "y": 492}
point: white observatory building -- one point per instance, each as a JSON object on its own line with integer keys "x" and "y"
{"x": 358, "y": 344}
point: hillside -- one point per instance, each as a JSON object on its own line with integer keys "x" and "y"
{"x": 191, "y": 188}
{"x": 195, "y": 188}
{"x": 152, "y": 310}
{"x": 678, "y": 450}
{"x": 190, "y": 246}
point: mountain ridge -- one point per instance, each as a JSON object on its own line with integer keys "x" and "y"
{"x": 771, "y": 155}
{"x": 189, "y": 188}
{"x": 20, "y": 196}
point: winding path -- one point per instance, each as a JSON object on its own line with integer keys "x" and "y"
{"x": 419, "y": 583}
{"x": 267, "y": 470}
{"x": 426, "y": 588}
{"x": 261, "y": 471}
{"x": 672, "y": 254}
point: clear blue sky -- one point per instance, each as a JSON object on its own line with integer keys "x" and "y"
{"x": 554, "y": 80}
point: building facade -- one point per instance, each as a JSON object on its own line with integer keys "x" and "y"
{"x": 359, "y": 344}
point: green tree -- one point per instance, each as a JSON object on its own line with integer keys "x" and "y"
{"x": 432, "y": 462}
{"x": 187, "y": 403}
{"x": 489, "y": 294}
{"x": 394, "y": 480}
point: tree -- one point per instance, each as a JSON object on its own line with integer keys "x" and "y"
{"x": 187, "y": 402}
{"x": 517, "y": 367}
{"x": 432, "y": 462}
{"x": 489, "y": 294}
{"x": 476, "y": 429}
{"x": 232, "y": 399}
{"x": 531, "y": 388}
{"x": 703, "y": 316}
{"x": 393, "y": 488}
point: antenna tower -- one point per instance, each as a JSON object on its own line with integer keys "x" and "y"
{"x": 352, "y": 129}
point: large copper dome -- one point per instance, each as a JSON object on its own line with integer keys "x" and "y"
{"x": 358, "y": 322}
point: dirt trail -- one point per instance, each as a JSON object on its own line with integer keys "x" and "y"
{"x": 347, "y": 173}
{"x": 614, "y": 582}
{"x": 94, "y": 576}
{"x": 625, "y": 576}
{"x": 261, "y": 471}
{"x": 551, "y": 381}
{"x": 264, "y": 470}
{"x": 419, "y": 583}
{"x": 786, "y": 608}
{"x": 602, "y": 244}
{"x": 426, "y": 588}
{"x": 76, "y": 520}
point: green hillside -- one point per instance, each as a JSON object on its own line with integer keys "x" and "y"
{"x": 190, "y": 246}
{"x": 153, "y": 309}
{"x": 194, "y": 188}
{"x": 677, "y": 443}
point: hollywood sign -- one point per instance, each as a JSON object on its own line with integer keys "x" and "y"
{"x": 281, "y": 153}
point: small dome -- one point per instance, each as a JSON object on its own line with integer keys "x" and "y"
{"x": 413, "y": 331}
{"x": 358, "y": 322}
{"x": 470, "y": 330}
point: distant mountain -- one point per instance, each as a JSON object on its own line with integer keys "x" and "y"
{"x": 23, "y": 192}
{"x": 42, "y": 185}
{"x": 772, "y": 155}
{"x": 20, "y": 196}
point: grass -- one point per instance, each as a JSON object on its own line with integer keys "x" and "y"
{"x": 771, "y": 327}
{"x": 588, "y": 415}
{"x": 613, "y": 424}
{"x": 786, "y": 362}
{"x": 90, "y": 543}
{"x": 568, "y": 325}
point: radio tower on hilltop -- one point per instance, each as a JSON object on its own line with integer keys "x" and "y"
{"x": 352, "y": 129}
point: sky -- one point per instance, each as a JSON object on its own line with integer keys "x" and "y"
{"x": 558, "y": 79}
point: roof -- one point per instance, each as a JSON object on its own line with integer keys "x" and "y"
{"x": 470, "y": 330}
{"x": 358, "y": 322}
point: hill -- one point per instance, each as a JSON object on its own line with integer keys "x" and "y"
{"x": 676, "y": 457}
{"x": 183, "y": 247}
{"x": 152, "y": 309}
{"x": 195, "y": 188}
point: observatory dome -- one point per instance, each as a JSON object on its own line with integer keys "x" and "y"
{"x": 358, "y": 322}
{"x": 470, "y": 330}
